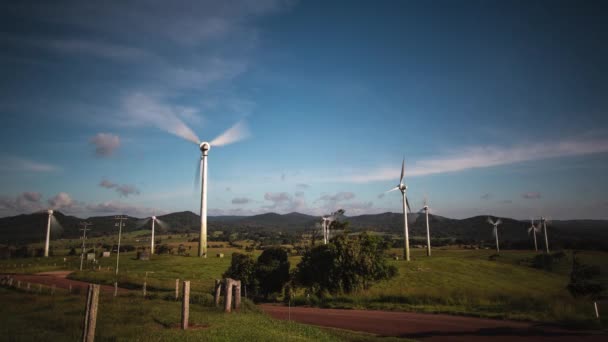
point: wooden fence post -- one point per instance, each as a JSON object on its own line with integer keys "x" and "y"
{"x": 90, "y": 316}
{"x": 144, "y": 289}
{"x": 115, "y": 288}
{"x": 228, "y": 294}
{"x": 176, "y": 289}
{"x": 237, "y": 295}
{"x": 218, "y": 292}
{"x": 185, "y": 304}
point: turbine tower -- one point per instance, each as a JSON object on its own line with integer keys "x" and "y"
{"x": 543, "y": 222}
{"x": 325, "y": 228}
{"x": 495, "y": 231}
{"x": 237, "y": 132}
{"x": 403, "y": 188}
{"x": 152, "y": 239}
{"x": 48, "y": 233}
{"x": 426, "y": 210}
{"x": 533, "y": 230}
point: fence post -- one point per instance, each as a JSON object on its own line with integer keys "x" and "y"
{"x": 144, "y": 289}
{"x": 597, "y": 312}
{"x": 90, "y": 316}
{"x": 237, "y": 295}
{"x": 115, "y": 288}
{"x": 186, "y": 304}
{"x": 176, "y": 289}
{"x": 218, "y": 292}
{"x": 228, "y": 295}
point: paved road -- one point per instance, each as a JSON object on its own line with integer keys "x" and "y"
{"x": 429, "y": 327}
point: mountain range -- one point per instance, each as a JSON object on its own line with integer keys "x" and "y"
{"x": 31, "y": 227}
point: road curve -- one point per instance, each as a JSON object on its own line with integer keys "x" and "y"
{"x": 429, "y": 327}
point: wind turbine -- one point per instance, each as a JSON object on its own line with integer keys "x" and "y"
{"x": 236, "y": 133}
{"x": 325, "y": 228}
{"x": 495, "y": 231}
{"x": 543, "y": 222}
{"x": 328, "y": 220}
{"x": 403, "y": 188}
{"x": 533, "y": 230}
{"x": 425, "y": 209}
{"x": 154, "y": 220}
{"x": 50, "y": 221}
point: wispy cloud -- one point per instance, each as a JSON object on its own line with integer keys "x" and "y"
{"x": 531, "y": 195}
{"x": 22, "y": 164}
{"x": 105, "y": 144}
{"x": 486, "y": 196}
{"x": 122, "y": 189}
{"x": 483, "y": 157}
{"x": 302, "y": 186}
{"x": 26, "y": 202}
{"x": 241, "y": 200}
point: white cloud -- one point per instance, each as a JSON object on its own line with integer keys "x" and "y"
{"x": 482, "y": 157}
{"x": 61, "y": 201}
{"x": 21, "y": 164}
{"x": 531, "y": 195}
{"x": 241, "y": 200}
{"x": 26, "y": 202}
{"x": 105, "y": 144}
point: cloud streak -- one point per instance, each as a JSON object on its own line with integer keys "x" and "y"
{"x": 21, "y": 164}
{"x": 483, "y": 157}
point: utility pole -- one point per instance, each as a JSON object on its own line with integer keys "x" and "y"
{"x": 119, "y": 224}
{"x": 84, "y": 237}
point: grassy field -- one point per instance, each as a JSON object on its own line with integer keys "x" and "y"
{"x": 42, "y": 317}
{"x": 456, "y": 281}
{"x": 466, "y": 282}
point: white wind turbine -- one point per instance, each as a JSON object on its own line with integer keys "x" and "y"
{"x": 495, "y": 231}
{"x": 51, "y": 221}
{"x": 236, "y": 133}
{"x": 543, "y": 222}
{"x": 533, "y": 230}
{"x": 426, "y": 209}
{"x": 325, "y": 228}
{"x": 403, "y": 188}
{"x": 154, "y": 220}
{"x": 328, "y": 220}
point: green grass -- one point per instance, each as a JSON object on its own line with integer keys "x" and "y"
{"x": 465, "y": 282}
{"x": 455, "y": 281}
{"x": 29, "y": 317}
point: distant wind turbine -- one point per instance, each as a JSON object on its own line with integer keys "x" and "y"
{"x": 236, "y": 133}
{"x": 495, "y": 231}
{"x": 325, "y": 228}
{"x": 425, "y": 209}
{"x": 403, "y": 188}
{"x": 154, "y": 220}
{"x": 533, "y": 230}
{"x": 332, "y": 218}
{"x": 544, "y": 221}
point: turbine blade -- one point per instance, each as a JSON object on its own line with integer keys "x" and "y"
{"x": 142, "y": 222}
{"x": 56, "y": 227}
{"x": 408, "y": 205}
{"x": 402, "y": 171}
{"x": 162, "y": 224}
{"x": 393, "y": 189}
{"x": 499, "y": 221}
{"x": 490, "y": 221}
{"x": 235, "y": 133}
{"x": 197, "y": 177}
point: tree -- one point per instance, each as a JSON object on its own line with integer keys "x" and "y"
{"x": 272, "y": 270}
{"x": 242, "y": 267}
{"x": 344, "y": 265}
{"x": 582, "y": 280}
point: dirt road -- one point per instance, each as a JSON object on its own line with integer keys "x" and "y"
{"x": 428, "y": 327}
{"x": 59, "y": 279}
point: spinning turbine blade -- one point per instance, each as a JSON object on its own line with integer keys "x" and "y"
{"x": 142, "y": 222}
{"x": 490, "y": 221}
{"x": 499, "y": 221}
{"x": 162, "y": 224}
{"x": 393, "y": 189}
{"x": 402, "y": 171}
{"x": 235, "y": 133}
{"x": 407, "y": 202}
{"x": 197, "y": 176}
{"x": 56, "y": 228}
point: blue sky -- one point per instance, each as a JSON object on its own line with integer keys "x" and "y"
{"x": 498, "y": 107}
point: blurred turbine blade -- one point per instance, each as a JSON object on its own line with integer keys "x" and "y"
{"x": 402, "y": 171}
{"x": 407, "y": 202}
{"x": 235, "y": 133}
{"x": 499, "y": 221}
{"x": 393, "y": 189}
{"x": 56, "y": 227}
{"x": 197, "y": 176}
{"x": 490, "y": 221}
{"x": 142, "y": 222}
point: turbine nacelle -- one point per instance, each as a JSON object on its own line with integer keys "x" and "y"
{"x": 204, "y": 147}
{"x": 402, "y": 187}
{"x": 154, "y": 218}
{"x": 50, "y": 211}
